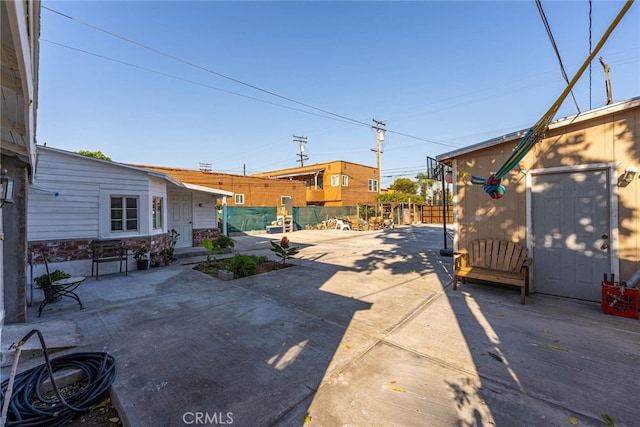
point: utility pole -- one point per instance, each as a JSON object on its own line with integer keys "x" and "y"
{"x": 301, "y": 140}
{"x": 379, "y": 127}
{"x": 607, "y": 81}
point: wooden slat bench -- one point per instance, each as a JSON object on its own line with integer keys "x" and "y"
{"x": 109, "y": 251}
{"x": 495, "y": 261}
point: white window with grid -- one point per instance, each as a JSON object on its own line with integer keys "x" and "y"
{"x": 124, "y": 213}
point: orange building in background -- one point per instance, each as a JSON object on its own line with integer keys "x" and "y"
{"x": 248, "y": 190}
{"x": 336, "y": 183}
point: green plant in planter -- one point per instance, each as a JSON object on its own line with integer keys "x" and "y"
{"x": 44, "y": 282}
{"x": 141, "y": 257}
{"x": 243, "y": 265}
{"x": 282, "y": 249}
{"x": 223, "y": 242}
{"x": 217, "y": 245}
{"x": 140, "y": 253}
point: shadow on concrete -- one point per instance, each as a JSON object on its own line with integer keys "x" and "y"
{"x": 559, "y": 358}
{"x": 364, "y": 330}
{"x": 252, "y": 350}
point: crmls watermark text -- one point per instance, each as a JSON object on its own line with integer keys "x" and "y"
{"x": 207, "y": 418}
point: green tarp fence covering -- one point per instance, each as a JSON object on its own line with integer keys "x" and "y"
{"x": 242, "y": 219}
{"x": 314, "y": 215}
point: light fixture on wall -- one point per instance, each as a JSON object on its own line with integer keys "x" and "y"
{"x": 6, "y": 191}
{"x": 200, "y": 205}
{"x": 630, "y": 174}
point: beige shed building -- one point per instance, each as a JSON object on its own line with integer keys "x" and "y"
{"x": 573, "y": 200}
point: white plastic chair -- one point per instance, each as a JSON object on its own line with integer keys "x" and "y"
{"x": 340, "y": 223}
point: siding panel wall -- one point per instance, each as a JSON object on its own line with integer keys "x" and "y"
{"x": 81, "y": 185}
{"x": 607, "y": 138}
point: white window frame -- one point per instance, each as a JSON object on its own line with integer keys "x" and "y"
{"x": 238, "y": 199}
{"x": 373, "y": 185}
{"x": 125, "y": 213}
{"x": 345, "y": 180}
{"x": 282, "y": 200}
{"x": 335, "y": 180}
{"x": 157, "y": 217}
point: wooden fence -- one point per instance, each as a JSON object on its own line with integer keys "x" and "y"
{"x": 434, "y": 214}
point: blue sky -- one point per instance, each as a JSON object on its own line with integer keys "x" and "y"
{"x": 443, "y": 75}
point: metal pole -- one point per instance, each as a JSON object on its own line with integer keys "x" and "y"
{"x": 445, "y": 251}
{"x": 444, "y": 208}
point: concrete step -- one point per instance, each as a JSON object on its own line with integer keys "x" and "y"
{"x": 57, "y": 334}
{"x": 181, "y": 253}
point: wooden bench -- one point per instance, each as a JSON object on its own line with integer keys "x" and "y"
{"x": 495, "y": 261}
{"x": 109, "y": 251}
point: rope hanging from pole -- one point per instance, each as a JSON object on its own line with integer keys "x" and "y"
{"x": 492, "y": 185}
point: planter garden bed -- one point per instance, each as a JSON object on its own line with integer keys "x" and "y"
{"x": 240, "y": 265}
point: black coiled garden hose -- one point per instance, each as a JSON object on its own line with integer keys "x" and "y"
{"x": 27, "y": 407}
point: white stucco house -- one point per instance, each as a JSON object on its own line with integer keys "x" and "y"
{"x": 76, "y": 199}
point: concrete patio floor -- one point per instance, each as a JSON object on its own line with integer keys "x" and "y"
{"x": 364, "y": 330}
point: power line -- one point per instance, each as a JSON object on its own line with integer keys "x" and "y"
{"x": 184, "y": 61}
{"x": 406, "y": 172}
{"x": 422, "y": 167}
{"x": 555, "y": 48}
{"x": 162, "y": 73}
{"x": 200, "y": 67}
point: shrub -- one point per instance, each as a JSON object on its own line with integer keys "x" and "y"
{"x": 223, "y": 241}
{"x": 216, "y": 245}
{"x": 140, "y": 253}
{"x": 243, "y": 265}
{"x": 43, "y": 281}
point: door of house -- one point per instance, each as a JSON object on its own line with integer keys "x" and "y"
{"x": 181, "y": 218}
{"x": 570, "y": 232}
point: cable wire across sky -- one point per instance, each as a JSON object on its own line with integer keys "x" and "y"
{"x": 224, "y": 76}
{"x": 177, "y": 83}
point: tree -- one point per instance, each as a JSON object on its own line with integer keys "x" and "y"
{"x": 405, "y": 185}
{"x": 399, "y": 198}
{"x": 438, "y": 197}
{"x": 94, "y": 154}
{"x": 423, "y": 184}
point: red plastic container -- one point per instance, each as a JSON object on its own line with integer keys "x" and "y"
{"x": 619, "y": 300}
